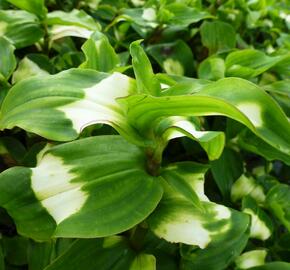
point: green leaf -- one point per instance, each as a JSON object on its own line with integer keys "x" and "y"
{"x": 99, "y": 53}
{"x": 144, "y": 262}
{"x": 251, "y": 259}
{"x": 218, "y": 36}
{"x": 27, "y": 68}
{"x": 90, "y": 254}
{"x": 248, "y": 141}
{"x": 250, "y": 63}
{"x": 15, "y": 250}
{"x": 146, "y": 80}
{"x": 175, "y": 127}
{"x": 7, "y": 59}
{"x": 261, "y": 224}
{"x": 231, "y": 97}
{"x": 175, "y": 57}
{"x": 2, "y": 266}
{"x": 278, "y": 202}
{"x": 21, "y": 28}
{"x": 183, "y": 15}
{"x": 34, "y": 6}
{"x": 272, "y": 266}
{"x": 39, "y": 254}
{"x": 226, "y": 170}
{"x": 212, "y": 68}
{"x": 60, "y": 106}
{"x": 185, "y": 215}
{"x": 247, "y": 186}
{"x": 74, "y": 18}
{"x": 97, "y": 187}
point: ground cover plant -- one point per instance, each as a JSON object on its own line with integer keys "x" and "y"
{"x": 144, "y": 135}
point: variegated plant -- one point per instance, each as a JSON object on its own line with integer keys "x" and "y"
{"x": 117, "y": 189}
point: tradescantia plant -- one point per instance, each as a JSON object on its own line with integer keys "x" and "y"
{"x": 109, "y": 164}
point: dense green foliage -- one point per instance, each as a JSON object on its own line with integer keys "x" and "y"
{"x": 144, "y": 135}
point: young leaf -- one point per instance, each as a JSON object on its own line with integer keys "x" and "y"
{"x": 7, "y": 59}
{"x": 89, "y": 188}
{"x": 99, "y": 53}
{"x": 146, "y": 81}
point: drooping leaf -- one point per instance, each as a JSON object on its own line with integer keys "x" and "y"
{"x": 232, "y": 97}
{"x": 21, "y": 28}
{"x": 218, "y": 36}
{"x": 261, "y": 224}
{"x": 278, "y": 202}
{"x": 250, "y": 63}
{"x": 7, "y": 59}
{"x": 99, "y": 53}
{"x": 34, "y": 6}
{"x": 251, "y": 259}
{"x": 175, "y": 57}
{"x": 88, "y": 188}
{"x": 175, "y": 127}
{"x": 59, "y": 106}
{"x": 146, "y": 81}
{"x": 226, "y": 170}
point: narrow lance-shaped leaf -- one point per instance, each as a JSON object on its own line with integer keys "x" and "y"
{"x": 232, "y": 97}
{"x": 7, "y": 59}
{"x": 146, "y": 81}
{"x": 88, "y": 188}
{"x": 100, "y": 55}
{"x": 59, "y": 106}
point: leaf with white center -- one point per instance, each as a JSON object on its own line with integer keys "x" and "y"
{"x": 88, "y": 188}
{"x": 261, "y": 224}
{"x": 251, "y": 259}
{"x": 7, "y": 59}
{"x": 60, "y": 31}
{"x": 250, "y": 63}
{"x": 175, "y": 127}
{"x": 232, "y": 97}
{"x": 100, "y": 55}
{"x": 59, "y": 106}
{"x": 247, "y": 186}
{"x": 185, "y": 215}
{"x": 21, "y": 28}
{"x": 278, "y": 202}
